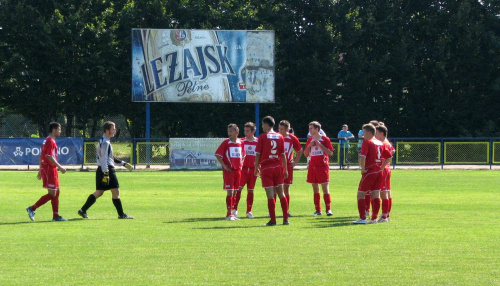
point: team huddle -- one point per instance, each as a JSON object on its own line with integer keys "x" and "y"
{"x": 270, "y": 156}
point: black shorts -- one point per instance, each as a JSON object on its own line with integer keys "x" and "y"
{"x": 113, "y": 180}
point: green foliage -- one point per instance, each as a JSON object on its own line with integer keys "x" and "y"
{"x": 426, "y": 68}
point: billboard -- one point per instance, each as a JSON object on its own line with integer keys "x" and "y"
{"x": 202, "y": 66}
{"x": 194, "y": 153}
{"x": 26, "y": 151}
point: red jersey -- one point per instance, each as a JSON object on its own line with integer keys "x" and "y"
{"x": 232, "y": 153}
{"x": 49, "y": 147}
{"x": 291, "y": 143}
{"x": 374, "y": 152}
{"x": 250, "y": 147}
{"x": 318, "y": 157}
{"x": 388, "y": 146}
{"x": 270, "y": 146}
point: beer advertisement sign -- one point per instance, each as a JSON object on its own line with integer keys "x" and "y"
{"x": 202, "y": 66}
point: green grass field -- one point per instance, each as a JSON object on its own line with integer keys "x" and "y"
{"x": 443, "y": 231}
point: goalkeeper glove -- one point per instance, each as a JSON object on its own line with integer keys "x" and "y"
{"x": 105, "y": 178}
{"x": 128, "y": 166}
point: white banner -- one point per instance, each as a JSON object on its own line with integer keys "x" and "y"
{"x": 194, "y": 153}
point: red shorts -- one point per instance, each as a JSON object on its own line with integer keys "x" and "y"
{"x": 371, "y": 181}
{"x": 289, "y": 180}
{"x": 50, "y": 178}
{"x": 248, "y": 178}
{"x": 272, "y": 176}
{"x": 318, "y": 174}
{"x": 386, "y": 180}
{"x": 231, "y": 179}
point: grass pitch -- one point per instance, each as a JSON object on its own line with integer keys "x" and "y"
{"x": 443, "y": 232}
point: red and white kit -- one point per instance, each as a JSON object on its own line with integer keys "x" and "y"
{"x": 247, "y": 173}
{"x": 318, "y": 171}
{"x": 374, "y": 152}
{"x": 271, "y": 146}
{"x": 232, "y": 154}
{"x": 291, "y": 143}
{"x": 48, "y": 170}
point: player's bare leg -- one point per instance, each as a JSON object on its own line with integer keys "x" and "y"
{"x": 327, "y": 198}
{"x": 317, "y": 199}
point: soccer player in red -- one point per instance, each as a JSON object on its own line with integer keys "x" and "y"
{"x": 371, "y": 159}
{"x": 385, "y": 192}
{"x": 292, "y": 143}
{"x": 230, "y": 155}
{"x": 319, "y": 148}
{"x": 48, "y": 174}
{"x": 247, "y": 173}
{"x": 271, "y": 159}
{"x": 367, "y": 196}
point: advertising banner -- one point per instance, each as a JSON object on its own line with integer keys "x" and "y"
{"x": 202, "y": 66}
{"x": 194, "y": 153}
{"x": 26, "y": 151}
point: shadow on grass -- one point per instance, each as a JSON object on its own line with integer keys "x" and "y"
{"x": 44, "y": 221}
{"x": 333, "y": 222}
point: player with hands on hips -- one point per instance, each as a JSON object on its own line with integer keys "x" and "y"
{"x": 319, "y": 148}
{"x": 230, "y": 155}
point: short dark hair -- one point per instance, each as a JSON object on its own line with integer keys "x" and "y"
{"x": 383, "y": 129}
{"x": 232, "y": 125}
{"x": 107, "y": 125}
{"x": 369, "y": 127}
{"x": 53, "y": 125}
{"x": 250, "y": 125}
{"x": 315, "y": 124}
{"x": 285, "y": 123}
{"x": 374, "y": 123}
{"x": 269, "y": 120}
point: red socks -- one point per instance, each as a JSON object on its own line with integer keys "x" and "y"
{"x": 271, "y": 206}
{"x": 229, "y": 205}
{"x": 375, "y": 208}
{"x": 41, "y": 201}
{"x": 317, "y": 201}
{"x": 390, "y": 207}
{"x": 284, "y": 207}
{"x": 367, "y": 202}
{"x": 249, "y": 201}
{"x": 288, "y": 202}
{"x": 328, "y": 201}
{"x": 361, "y": 208}
{"x": 55, "y": 205}
{"x": 385, "y": 208}
{"x": 237, "y": 200}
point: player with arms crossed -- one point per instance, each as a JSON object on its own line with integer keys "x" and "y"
{"x": 48, "y": 173}
{"x": 319, "y": 148}
{"x": 248, "y": 173}
{"x": 230, "y": 155}
{"x": 105, "y": 176}
{"x": 270, "y": 157}
{"x": 385, "y": 192}
{"x": 291, "y": 143}
{"x": 371, "y": 159}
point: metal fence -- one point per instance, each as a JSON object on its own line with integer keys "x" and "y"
{"x": 409, "y": 151}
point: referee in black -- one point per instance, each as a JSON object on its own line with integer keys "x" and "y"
{"x": 105, "y": 176}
